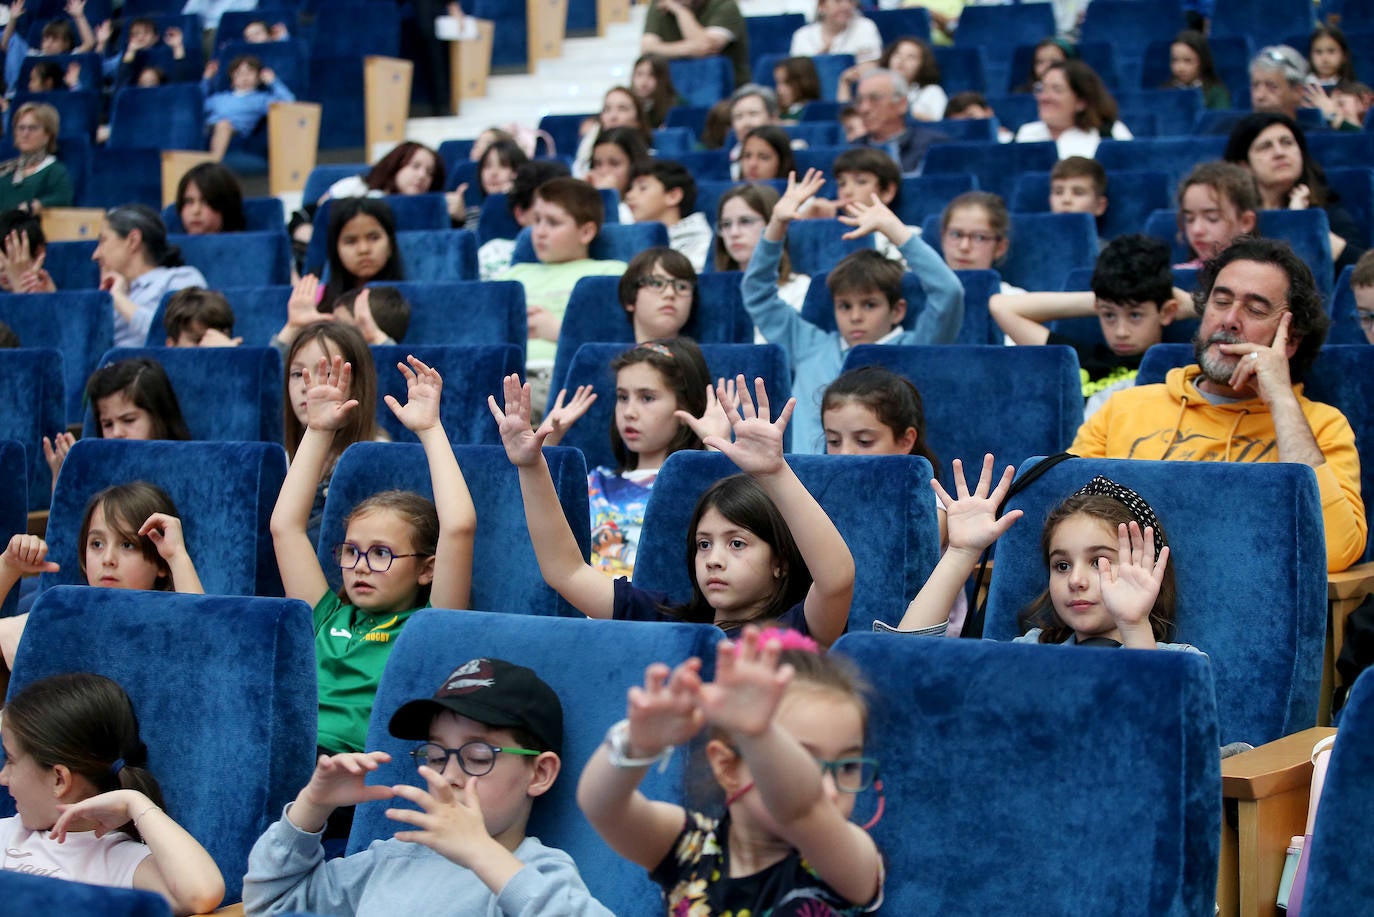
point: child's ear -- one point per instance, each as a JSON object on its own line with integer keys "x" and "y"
{"x": 907, "y": 441}
{"x": 426, "y": 572}
{"x": 673, "y": 197}
{"x": 170, "y": 342}
{"x": 1001, "y": 251}
{"x": 887, "y": 194}
{"x": 587, "y": 232}
{"x": 62, "y": 779}
{"x": 1101, "y": 206}
{"x": 544, "y": 772}
{"x": 726, "y": 766}
{"x": 1168, "y": 311}
{"x": 1248, "y": 219}
{"x": 898, "y": 312}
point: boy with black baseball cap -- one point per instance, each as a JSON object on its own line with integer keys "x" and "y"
{"x": 489, "y": 741}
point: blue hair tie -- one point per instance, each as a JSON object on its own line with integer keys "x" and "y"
{"x": 117, "y": 766}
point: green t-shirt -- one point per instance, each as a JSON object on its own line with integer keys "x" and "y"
{"x": 719, "y": 14}
{"x": 550, "y": 286}
{"x": 351, "y": 649}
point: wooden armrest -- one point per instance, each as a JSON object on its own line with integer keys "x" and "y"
{"x": 38, "y": 522}
{"x": 1278, "y": 767}
{"x": 175, "y": 164}
{"x": 229, "y": 910}
{"x": 1353, "y": 583}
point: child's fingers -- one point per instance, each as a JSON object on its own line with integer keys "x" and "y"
{"x": 762, "y": 398}
{"x": 785, "y": 415}
{"x": 942, "y": 494}
{"x": 985, "y": 476}
{"x": 960, "y": 483}
{"x": 999, "y": 493}
{"x": 746, "y": 403}
{"x": 1160, "y": 564}
{"x": 1007, "y": 521}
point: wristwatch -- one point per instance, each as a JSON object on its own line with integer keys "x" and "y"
{"x": 618, "y": 749}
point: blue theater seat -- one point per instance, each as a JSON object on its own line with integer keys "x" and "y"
{"x": 566, "y": 130}
{"x": 1345, "y": 320}
{"x": 1261, "y": 20}
{"x": 890, "y": 529}
{"x": 974, "y": 741}
{"x": 963, "y": 69}
{"x": 85, "y": 332}
{"x": 1340, "y": 840}
{"x": 239, "y": 258}
{"x": 438, "y": 255}
{"x": 412, "y": 212}
{"x": 78, "y": 109}
{"x": 224, "y": 493}
{"x": 236, "y": 395}
{"x": 14, "y": 500}
{"x": 1267, "y": 663}
{"x": 160, "y": 117}
{"x": 893, "y": 24}
{"x": 35, "y": 407}
{"x": 212, "y": 679}
{"x": 468, "y": 312}
{"x": 470, "y": 372}
{"x": 30, "y": 894}
{"x": 1355, "y": 186}
{"x": 323, "y": 176}
{"x": 259, "y": 313}
{"x": 1131, "y": 198}
{"x": 816, "y": 246}
{"x": 505, "y": 573}
{"x": 703, "y": 80}
{"x": 1173, "y": 155}
{"x": 1045, "y": 247}
{"x": 770, "y": 35}
{"x": 995, "y": 165}
{"x": 963, "y": 389}
{"x": 435, "y": 642}
{"x": 591, "y": 365}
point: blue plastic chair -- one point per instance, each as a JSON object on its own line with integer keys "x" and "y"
{"x": 1230, "y": 53}
{"x": 771, "y": 35}
{"x": 471, "y": 372}
{"x": 1015, "y": 110}
{"x": 1340, "y": 840}
{"x": 952, "y": 722}
{"x": 234, "y": 396}
{"x": 566, "y": 130}
{"x": 288, "y": 59}
{"x": 1131, "y": 198}
{"x": 239, "y": 258}
{"x": 1356, "y": 189}
{"x": 890, "y": 530}
{"x": 591, "y": 365}
{"x": 85, "y": 332}
{"x": 435, "y": 642}
{"x": 1309, "y": 234}
{"x": 1175, "y": 109}
{"x": 1267, "y": 665}
{"x": 1341, "y": 149}
{"x": 224, "y": 493}
{"x": 161, "y": 117}
{"x": 1006, "y": 27}
{"x": 1345, "y": 320}
{"x": 995, "y": 165}
{"x": 703, "y": 80}
{"x": 438, "y": 255}
{"x": 505, "y": 573}
{"x": 1045, "y": 247}
{"x": 35, "y": 407}
{"x": 259, "y": 709}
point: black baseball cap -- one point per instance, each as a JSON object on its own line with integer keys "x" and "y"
{"x": 494, "y": 693}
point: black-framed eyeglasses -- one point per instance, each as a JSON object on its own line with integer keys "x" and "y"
{"x": 475, "y": 758}
{"x": 378, "y": 557}
{"x": 979, "y": 238}
{"x": 680, "y": 287}
{"x": 851, "y": 775}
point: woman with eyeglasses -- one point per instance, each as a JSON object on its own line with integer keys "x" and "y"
{"x": 1076, "y": 111}
{"x": 740, "y": 217}
{"x": 975, "y": 233}
{"x": 35, "y": 178}
{"x": 400, "y": 552}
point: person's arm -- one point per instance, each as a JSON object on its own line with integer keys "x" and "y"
{"x": 327, "y": 408}
{"x": 178, "y": 867}
{"x": 275, "y": 87}
{"x": 452, "y": 585}
{"x": 757, "y": 450}
{"x": 85, "y": 37}
{"x": 660, "y": 715}
{"x": 165, "y": 533}
{"x": 972, "y": 525}
{"x": 140, "y": 319}
{"x": 743, "y": 699}
{"x": 25, "y": 555}
{"x": 697, "y": 40}
{"x": 555, "y": 547}
{"x": 1130, "y": 587}
{"x": 16, "y": 10}
{"x": 775, "y": 319}
{"x": 1022, "y": 316}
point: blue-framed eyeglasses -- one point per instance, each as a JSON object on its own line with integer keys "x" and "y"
{"x": 851, "y": 775}
{"x": 475, "y": 758}
{"x": 378, "y": 557}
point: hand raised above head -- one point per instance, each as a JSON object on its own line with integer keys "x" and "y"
{"x": 424, "y": 386}
{"x": 327, "y": 401}
{"x": 757, "y": 448}
{"x": 522, "y": 444}
{"x": 971, "y": 518}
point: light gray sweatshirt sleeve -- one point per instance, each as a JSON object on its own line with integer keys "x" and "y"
{"x": 287, "y": 872}
{"x": 939, "y": 321}
{"x": 548, "y": 885}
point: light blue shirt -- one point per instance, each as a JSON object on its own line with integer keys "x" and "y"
{"x": 147, "y": 292}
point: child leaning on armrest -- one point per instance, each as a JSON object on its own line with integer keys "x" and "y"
{"x": 867, "y": 289}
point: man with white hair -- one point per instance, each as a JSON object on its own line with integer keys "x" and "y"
{"x": 1277, "y": 76}
{"x": 882, "y": 104}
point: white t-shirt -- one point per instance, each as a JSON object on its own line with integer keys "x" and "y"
{"x": 860, "y": 38}
{"x": 1074, "y": 141}
{"x": 927, "y": 103}
{"x": 83, "y": 857}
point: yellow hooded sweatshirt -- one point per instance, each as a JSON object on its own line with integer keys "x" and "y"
{"x": 1173, "y": 421}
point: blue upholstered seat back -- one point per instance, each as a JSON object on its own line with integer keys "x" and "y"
{"x": 591, "y": 365}
{"x": 465, "y": 312}
{"x": 1068, "y": 781}
{"x": 410, "y": 211}
{"x": 28, "y": 894}
{"x": 1342, "y": 845}
{"x": 1345, "y": 319}
{"x": 505, "y": 573}
{"x": 86, "y": 331}
{"x": 228, "y": 394}
{"x": 261, "y": 214}
{"x": 224, "y": 493}
{"x": 890, "y": 528}
{"x": 160, "y": 117}
{"x": 438, "y": 255}
{"x": 436, "y": 642}
{"x": 223, "y": 688}
{"x": 259, "y": 313}
{"x": 996, "y": 165}
{"x": 1251, "y": 580}
{"x": 470, "y": 374}
{"x": 965, "y": 392}
{"x": 14, "y": 504}
{"x": 31, "y": 407}
{"x": 816, "y": 246}
{"x": 239, "y": 259}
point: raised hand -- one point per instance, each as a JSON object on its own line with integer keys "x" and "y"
{"x": 757, "y": 448}
{"x": 522, "y": 444}
{"x": 211, "y": 68}
{"x": 749, "y": 684}
{"x": 27, "y": 555}
{"x": 164, "y": 532}
{"x": 362, "y": 317}
{"x": 75, "y": 8}
{"x": 279, "y": 32}
{"x": 424, "y": 386}
{"x": 971, "y": 519}
{"x": 340, "y": 780}
{"x": 108, "y": 811}
{"x": 16, "y": 10}
{"x": 450, "y": 820}
{"x": 797, "y": 193}
{"x": 713, "y": 422}
{"x": 327, "y": 404}
{"x": 267, "y": 76}
{"x": 55, "y": 451}
{"x": 456, "y": 201}
{"x": 1129, "y": 588}
{"x": 104, "y": 31}
{"x": 302, "y": 309}
{"x": 868, "y": 217}
{"x": 173, "y": 37}
{"x": 560, "y": 419}
{"x": 664, "y": 712}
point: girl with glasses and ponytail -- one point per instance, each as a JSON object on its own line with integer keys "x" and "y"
{"x": 400, "y": 553}
{"x": 89, "y": 810}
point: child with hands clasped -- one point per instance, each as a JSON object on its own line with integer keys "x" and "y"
{"x": 490, "y": 739}
{"x": 761, "y": 548}
{"x": 88, "y": 808}
{"x": 786, "y": 747}
{"x": 400, "y": 551}
{"x": 130, "y": 538}
{"x": 1110, "y": 583}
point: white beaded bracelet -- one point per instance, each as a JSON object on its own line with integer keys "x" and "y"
{"x": 618, "y": 747}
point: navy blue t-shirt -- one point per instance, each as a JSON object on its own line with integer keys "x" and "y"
{"x": 635, "y": 604}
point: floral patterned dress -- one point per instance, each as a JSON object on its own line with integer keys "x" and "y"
{"x": 694, "y": 877}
